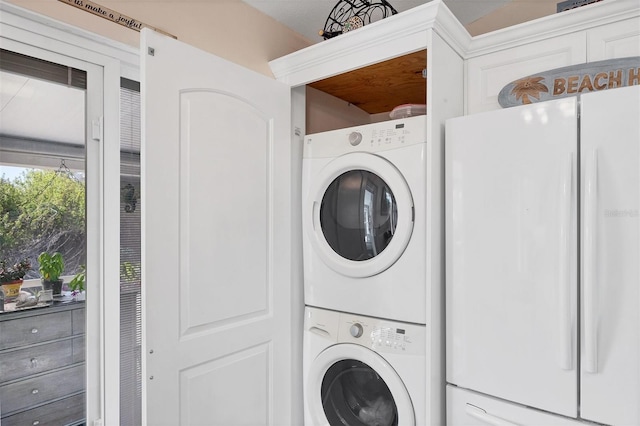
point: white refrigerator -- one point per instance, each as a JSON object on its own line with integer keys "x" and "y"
{"x": 542, "y": 263}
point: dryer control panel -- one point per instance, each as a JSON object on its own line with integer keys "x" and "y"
{"x": 373, "y": 137}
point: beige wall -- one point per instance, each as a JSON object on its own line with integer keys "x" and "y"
{"x": 325, "y": 112}
{"x": 513, "y": 13}
{"x": 235, "y": 31}
{"x": 227, "y": 28}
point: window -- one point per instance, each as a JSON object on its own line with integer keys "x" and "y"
{"x": 130, "y": 256}
{"x": 42, "y": 161}
{"x": 43, "y": 207}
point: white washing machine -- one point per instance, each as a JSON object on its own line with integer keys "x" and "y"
{"x": 364, "y": 219}
{"x": 362, "y": 371}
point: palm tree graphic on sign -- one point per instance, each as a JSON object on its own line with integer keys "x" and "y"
{"x": 528, "y": 87}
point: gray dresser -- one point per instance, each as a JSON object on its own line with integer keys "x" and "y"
{"x": 42, "y": 371}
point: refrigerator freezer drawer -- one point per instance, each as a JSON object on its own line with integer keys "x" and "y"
{"x": 465, "y": 407}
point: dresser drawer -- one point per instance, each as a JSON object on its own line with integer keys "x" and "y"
{"x": 61, "y": 412}
{"x": 18, "y": 363}
{"x": 78, "y": 321}
{"x": 37, "y": 390}
{"x": 40, "y": 328}
{"x": 78, "y": 349}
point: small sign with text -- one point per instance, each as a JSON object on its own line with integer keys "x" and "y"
{"x": 112, "y": 15}
{"x": 571, "y": 81}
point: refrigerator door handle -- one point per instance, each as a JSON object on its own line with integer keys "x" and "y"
{"x": 564, "y": 278}
{"x": 590, "y": 271}
{"x": 486, "y": 418}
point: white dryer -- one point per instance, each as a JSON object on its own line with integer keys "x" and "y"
{"x": 364, "y": 217}
{"x": 362, "y": 371}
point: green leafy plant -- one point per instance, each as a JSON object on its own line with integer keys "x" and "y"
{"x": 128, "y": 271}
{"x": 77, "y": 282}
{"x": 13, "y": 272}
{"x": 51, "y": 266}
{"x": 42, "y": 210}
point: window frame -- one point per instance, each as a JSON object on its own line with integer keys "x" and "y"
{"x": 24, "y": 32}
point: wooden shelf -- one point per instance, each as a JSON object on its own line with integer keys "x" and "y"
{"x": 383, "y": 86}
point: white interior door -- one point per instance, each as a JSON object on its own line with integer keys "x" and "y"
{"x": 216, "y": 169}
{"x": 610, "y": 146}
{"x": 511, "y": 254}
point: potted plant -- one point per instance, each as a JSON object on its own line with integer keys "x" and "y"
{"x": 51, "y": 267}
{"x": 11, "y": 277}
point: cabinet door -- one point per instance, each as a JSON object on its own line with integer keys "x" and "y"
{"x": 217, "y": 241}
{"x": 617, "y": 40}
{"x": 610, "y": 135}
{"x": 488, "y": 74}
{"x": 511, "y": 254}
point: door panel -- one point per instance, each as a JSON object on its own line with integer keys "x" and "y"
{"x": 511, "y": 254}
{"x": 217, "y": 240}
{"x": 223, "y": 222}
{"x": 231, "y": 390}
{"x": 610, "y": 135}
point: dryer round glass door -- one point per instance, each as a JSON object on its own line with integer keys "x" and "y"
{"x": 350, "y": 385}
{"x": 358, "y": 215}
{"x": 362, "y": 214}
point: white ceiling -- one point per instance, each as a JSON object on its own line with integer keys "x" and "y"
{"x": 307, "y": 17}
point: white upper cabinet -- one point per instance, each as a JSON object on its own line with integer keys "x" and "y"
{"x": 616, "y": 40}
{"x": 604, "y": 30}
{"x": 488, "y": 74}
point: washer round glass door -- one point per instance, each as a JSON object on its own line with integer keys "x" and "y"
{"x": 351, "y": 385}
{"x": 362, "y": 214}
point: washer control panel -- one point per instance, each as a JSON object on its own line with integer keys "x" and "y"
{"x": 395, "y": 338}
{"x": 382, "y": 335}
{"x": 356, "y": 330}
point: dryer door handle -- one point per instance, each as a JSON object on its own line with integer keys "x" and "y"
{"x": 315, "y": 212}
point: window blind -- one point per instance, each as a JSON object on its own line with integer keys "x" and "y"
{"x": 130, "y": 256}
{"x": 41, "y": 69}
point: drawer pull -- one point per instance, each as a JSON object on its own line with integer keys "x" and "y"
{"x": 34, "y": 391}
{"x": 34, "y": 362}
{"x": 34, "y": 330}
{"x": 36, "y": 422}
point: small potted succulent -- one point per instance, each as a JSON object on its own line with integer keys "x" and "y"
{"x": 51, "y": 267}
{"x": 12, "y": 276}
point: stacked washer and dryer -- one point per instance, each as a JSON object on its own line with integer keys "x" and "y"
{"x": 365, "y": 274}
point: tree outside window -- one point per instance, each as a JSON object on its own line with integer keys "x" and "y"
{"x": 43, "y": 210}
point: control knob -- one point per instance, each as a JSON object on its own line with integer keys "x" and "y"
{"x": 355, "y": 138}
{"x": 356, "y": 330}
